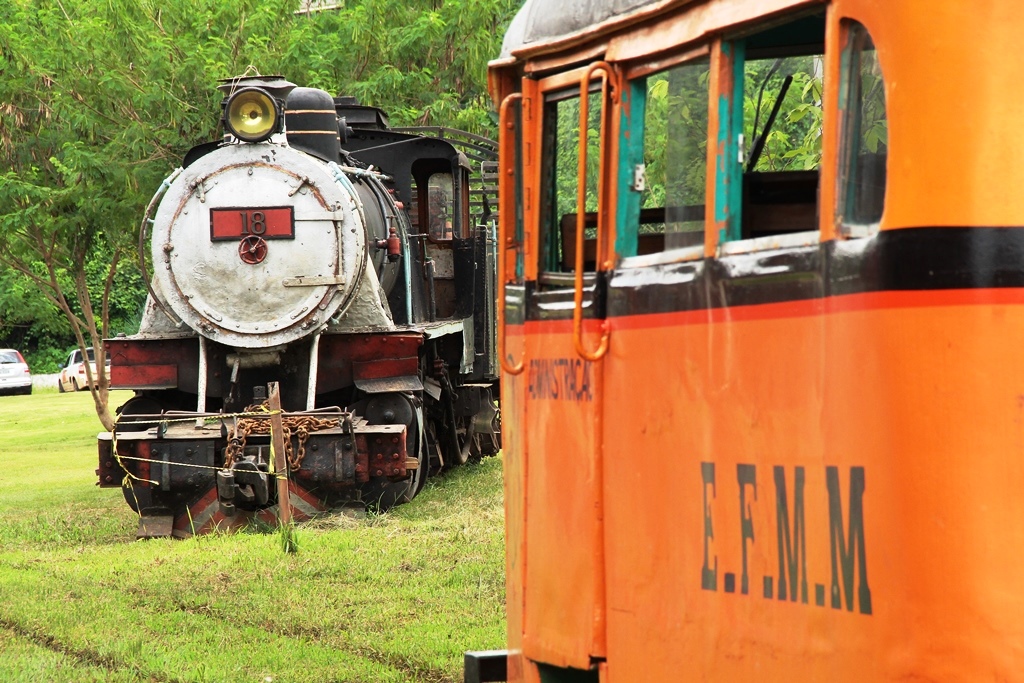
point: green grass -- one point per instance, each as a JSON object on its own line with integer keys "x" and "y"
{"x": 394, "y": 597}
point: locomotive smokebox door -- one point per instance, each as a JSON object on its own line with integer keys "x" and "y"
{"x": 257, "y": 245}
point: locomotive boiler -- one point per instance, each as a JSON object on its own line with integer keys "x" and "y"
{"x": 318, "y": 249}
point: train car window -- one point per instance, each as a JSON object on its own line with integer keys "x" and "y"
{"x": 559, "y": 171}
{"x": 439, "y": 205}
{"x": 864, "y": 142}
{"x": 791, "y": 139}
{"x": 675, "y": 158}
{"x": 780, "y": 122}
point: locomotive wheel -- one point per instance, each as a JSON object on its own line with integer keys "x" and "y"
{"x": 461, "y": 438}
{"x": 139, "y": 498}
{"x": 419, "y": 479}
{"x": 469, "y": 441}
{"x": 383, "y": 497}
{"x": 479, "y": 435}
{"x": 395, "y": 408}
{"x": 490, "y": 444}
{"x": 486, "y": 428}
{"x": 137, "y": 405}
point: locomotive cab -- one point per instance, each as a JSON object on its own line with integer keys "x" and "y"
{"x": 315, "y": 248}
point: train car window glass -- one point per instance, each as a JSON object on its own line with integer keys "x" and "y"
{"x": 675, "y": 158}
{"x": 559, "y": 173}
{"x": 864, "y": 143}
{"x": 440, "y": 195}
{"x": 780, "y": 122}
{"x": 782, "y": 117}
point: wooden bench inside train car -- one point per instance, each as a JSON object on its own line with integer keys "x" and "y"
{"x": 651, "y": 239}
{"x": 779, "y": 202}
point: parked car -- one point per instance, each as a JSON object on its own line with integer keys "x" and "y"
{"x": 15, "y": 377}
{"x": 72, "y": 376}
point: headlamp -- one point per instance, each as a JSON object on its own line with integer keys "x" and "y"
{"x": 252, "y": 115}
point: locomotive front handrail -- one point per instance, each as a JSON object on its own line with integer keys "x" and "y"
{"x": 506, "y": 213}
{"x": 581, "y": 208}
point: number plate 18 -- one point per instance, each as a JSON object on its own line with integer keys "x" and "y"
{"x": 277, "y": 222}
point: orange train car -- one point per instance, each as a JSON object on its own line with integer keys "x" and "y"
{"x": 761, "y": 319}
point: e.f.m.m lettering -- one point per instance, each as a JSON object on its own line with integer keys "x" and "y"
{"x": 846, "y": 544}
{"x": 841, "y": 552}
{"x": 792, "y": 546}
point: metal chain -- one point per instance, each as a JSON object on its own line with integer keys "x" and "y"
{"x": 301, "y": 425}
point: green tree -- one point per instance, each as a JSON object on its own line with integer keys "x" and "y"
{"x": 99, "y": 101}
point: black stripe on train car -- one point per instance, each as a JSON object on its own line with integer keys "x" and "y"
{"x": 909, "y": 259}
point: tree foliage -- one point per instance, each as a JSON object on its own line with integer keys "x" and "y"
{"x": 793, "y": 142}
{"x": 100, "y": 100}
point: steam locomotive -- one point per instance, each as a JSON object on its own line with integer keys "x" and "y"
{"x": 317, "y": 248}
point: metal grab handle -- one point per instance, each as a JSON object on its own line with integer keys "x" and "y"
{"x": 581, "y": 205}
{"x": 506, "y": 216}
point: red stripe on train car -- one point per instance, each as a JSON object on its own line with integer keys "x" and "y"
{"x": 801, "y": 309}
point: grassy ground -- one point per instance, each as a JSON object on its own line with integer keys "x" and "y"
{"x": 395, "y": 597}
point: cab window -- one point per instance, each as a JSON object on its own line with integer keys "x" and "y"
{"x": 559, "y": 180}
{"x": 440, "y": 197}
{"x": 774, "y": 122}
{"x": 675, "y": 147}
{"x": 865, "y": 140}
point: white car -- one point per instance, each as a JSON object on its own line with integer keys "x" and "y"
{"x": 72, "y": 376}
{"x": 15, "y": 376}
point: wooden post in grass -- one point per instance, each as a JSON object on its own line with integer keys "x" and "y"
{"x": 284, "y": 504}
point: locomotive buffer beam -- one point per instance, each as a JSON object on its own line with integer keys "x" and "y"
{"x": 178, "y": 462}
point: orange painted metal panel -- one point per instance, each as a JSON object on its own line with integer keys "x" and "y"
{"x": 897, "y": 392}
{"x": 954, "y": 110}
{"x": 513, "y": 412}
{"x": 564, "y": 605}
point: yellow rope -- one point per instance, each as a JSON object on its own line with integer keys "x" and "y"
{"x": 172, "y": 464}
